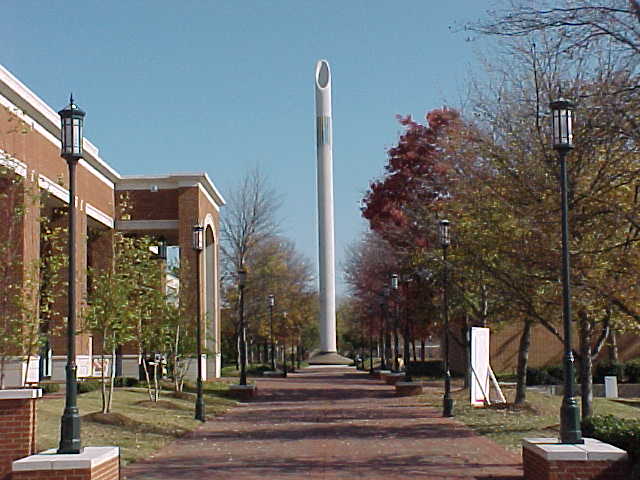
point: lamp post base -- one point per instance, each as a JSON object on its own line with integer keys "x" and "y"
{"x": 447, "y": 407}
{"x": 200, "y": 409}
{"x": 570, "y": 431}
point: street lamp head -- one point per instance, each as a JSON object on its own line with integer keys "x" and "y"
{"x": 562, "y": 124}
{"x": 394, "y": 281}
{"x": 71, "y": 123}
{"x": 444, "y": 234}
{"x": 272, "y": 300}
{"x": 198, "y": 237}
{"x": 242, "y": 277}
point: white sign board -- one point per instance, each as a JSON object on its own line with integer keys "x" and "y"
{"x": 480, "y": 366}
{"x": 611, "y": 387}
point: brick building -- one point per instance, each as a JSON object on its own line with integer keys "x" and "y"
{"x": 161, "y": 206}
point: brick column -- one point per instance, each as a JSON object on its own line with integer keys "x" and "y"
{"x": 17, "y": 426}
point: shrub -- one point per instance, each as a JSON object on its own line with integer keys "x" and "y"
{"x": 632, "y": 369}
{"x": 429, "y": 368}
{"x": 49, "y": 388}
{"x": 620, "y": 432}
{"x": 608, "y": 370}
{"x": 126, "y": 382}
{"x": 544, "y": 376}
{"x": 88, "y": 386}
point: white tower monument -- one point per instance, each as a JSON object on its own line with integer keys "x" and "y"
{"x": 324, "y": 144}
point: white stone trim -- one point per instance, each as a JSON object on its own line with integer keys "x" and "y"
{"x": 20, "y": 394}
{"x": 53, "y": 188}
{"x": 89, "y": 458}
{"x": 125, "y": 225}
{"x": 592, "y": 450}
{"x": 99, "y": 215}
{"x": 13, "y": 164}
{"x": 174, "y": 180}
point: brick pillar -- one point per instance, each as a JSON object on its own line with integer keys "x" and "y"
{"x": 17, "y": 427}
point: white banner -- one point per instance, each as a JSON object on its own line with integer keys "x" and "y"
{"x": 480, "y": 366}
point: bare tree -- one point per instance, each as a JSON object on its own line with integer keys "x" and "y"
{"x": 250, "y": 218}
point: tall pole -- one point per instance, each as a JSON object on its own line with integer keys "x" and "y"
{"x": 570, "y": 431}
{"x": 447, "y": 401}
{"x": 70, "y": 425}
{"x": 200, "y": 409}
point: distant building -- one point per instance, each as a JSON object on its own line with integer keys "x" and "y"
{"x": 164, "y": 206}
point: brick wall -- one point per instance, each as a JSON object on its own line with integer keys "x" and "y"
{"x": 535, "y": 467}
{"x": 109, "y": 470}
{"x": 17, "y": 432}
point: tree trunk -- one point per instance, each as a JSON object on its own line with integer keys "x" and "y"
{"x": 413, "y": 345}
{"x": 145, "y": 366}
{"x": 613, "y": 347}
{"x": 523, "y": 361}
{"x": 2, "y": 363}
{"x": 176, "y": 376}
{"x": 112, "y": 376}
{"x": 156, "y": 391}
{"x": 103, "y": 388}
{"x": 422, "y": 352}
{"x": 467, "y": 354}
{"x": 586, "y": 364}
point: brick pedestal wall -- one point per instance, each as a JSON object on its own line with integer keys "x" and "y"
{"x": 592, "y": 461}
{"x": 94, "y": 463}
{"x": 17, "y": 427}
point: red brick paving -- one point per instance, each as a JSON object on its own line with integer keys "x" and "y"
{"x": 330, "y": 424}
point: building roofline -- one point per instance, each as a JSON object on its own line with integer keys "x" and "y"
{"x": 181, "y": 179}
{"x": 38, "y": 110}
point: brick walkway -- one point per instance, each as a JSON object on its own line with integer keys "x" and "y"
{"x": 330, "y": 424}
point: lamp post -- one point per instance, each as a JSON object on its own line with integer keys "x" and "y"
{"x": 242, "y": 279}
{"x": 384, "y": 303}
{"x": 72, "y": 119}
{"x": 562, "y": 125}
{"x": 272, "y": 302}
{"x": 445, "y": 240}
{"x": 396, "y": 342}
{"x": 407, "y": 334}
{"x": 371, "y": 317}
{"x": 198, "y": 246}
{"x": 284, "y": 346}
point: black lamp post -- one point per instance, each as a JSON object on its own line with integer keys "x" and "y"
{"x": 198, "y": 246}
{"x": 384, "y": 303}
{"x": 242, "y": 280}
{"x": 396, "y": 342}
{"x": 284, "y": 345}
{"x": 371, "y": 317}
{"x": 407, "y": 334}
{"x": 562, "y": 124}
{"x": 445, "y": 240}
{"x": 72, "y": 119}
{"x": 272, "y": 302}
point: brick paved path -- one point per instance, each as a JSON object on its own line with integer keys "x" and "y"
{"x": 330, "y": 424}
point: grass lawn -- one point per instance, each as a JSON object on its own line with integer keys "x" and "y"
{"x": 139, "y": 427}
{"x": 539, "y": 418}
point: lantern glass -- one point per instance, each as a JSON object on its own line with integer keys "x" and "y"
{"x": 394, "y": 281}
{"x": 198, "y": 237}
{"x": 162, "y": 248}
{"x": 272, "y": 300}
{"x": 562, "y": 124}
{"x": 443, "y": 233}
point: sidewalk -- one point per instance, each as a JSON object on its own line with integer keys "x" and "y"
{"x": 330, "y": 424}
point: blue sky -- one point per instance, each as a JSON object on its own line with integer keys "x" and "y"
{"x": 223, "y": 86}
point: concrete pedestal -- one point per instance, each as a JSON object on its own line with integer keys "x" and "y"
{"x": 244, "y": 393}
{"x": 273, "y": 373}
{"x": 379, "y": 374}
{"x": 392, "y": 378}
{"x": 94, "y": 463}
{"x": 408, "y": 389}
{"x": 547, "y": 459}
{"x": 329, "y": 358}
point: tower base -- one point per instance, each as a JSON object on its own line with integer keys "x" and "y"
{"x": 329, "y": 358}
